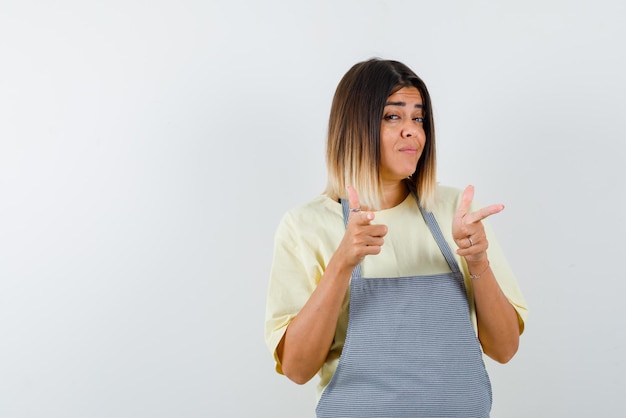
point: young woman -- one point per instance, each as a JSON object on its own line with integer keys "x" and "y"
{"x": 389, "y": 286}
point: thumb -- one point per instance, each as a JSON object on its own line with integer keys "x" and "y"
{"x": 466, "y": 201}
{"x": 353, "y": 198}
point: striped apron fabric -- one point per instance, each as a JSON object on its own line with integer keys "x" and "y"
{"x": 410, "y": 348}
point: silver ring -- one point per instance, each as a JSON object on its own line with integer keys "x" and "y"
{"x": 470, "y": 240}
{"x": 355, "y": 210}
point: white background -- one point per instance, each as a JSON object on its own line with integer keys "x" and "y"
{"x": 149, "y": 149}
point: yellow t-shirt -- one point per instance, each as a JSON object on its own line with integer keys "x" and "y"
{"x": 308, "y": 235}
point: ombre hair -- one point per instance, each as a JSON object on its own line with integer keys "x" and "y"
{"x": 353, "y": 147}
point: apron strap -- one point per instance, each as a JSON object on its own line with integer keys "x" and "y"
{"x": 430, "y": 220}
{"x": 443, "y": 244}
{"x": 438, "y": 235}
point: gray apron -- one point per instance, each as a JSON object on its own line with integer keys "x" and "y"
{"x": 410, "y": 348}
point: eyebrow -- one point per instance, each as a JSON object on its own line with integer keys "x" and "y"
{"x": 417, "y": 106}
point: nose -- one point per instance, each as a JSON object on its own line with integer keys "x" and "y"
{"x": 409, "y": 129}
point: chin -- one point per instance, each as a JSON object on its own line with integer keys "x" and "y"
{"x": 409, "y": 172}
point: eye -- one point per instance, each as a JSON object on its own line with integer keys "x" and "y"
{"x": 419, "y": 119}
{"x": 391, "y": 117}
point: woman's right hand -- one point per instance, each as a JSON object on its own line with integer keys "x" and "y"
{"x": 361, "y": 238}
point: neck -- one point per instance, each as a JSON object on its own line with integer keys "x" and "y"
{"x": 394, "y": 194}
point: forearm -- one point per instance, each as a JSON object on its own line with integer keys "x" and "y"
{"x": 498, "y": 325}
{"x": 307, "y": 340}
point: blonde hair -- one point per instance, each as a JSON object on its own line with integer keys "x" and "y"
{"x": 353, "y": 147}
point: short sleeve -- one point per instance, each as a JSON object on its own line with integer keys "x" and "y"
{"x": 292, "y": 280}
{"x": 506, "y": 278}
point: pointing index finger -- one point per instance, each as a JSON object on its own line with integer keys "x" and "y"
{"x": 483, "y": 213}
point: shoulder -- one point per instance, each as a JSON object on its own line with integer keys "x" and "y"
{"x": 313, "y": 214}
{"x": 447, "y": 199}
{"x": 318, "y": 207}
{"x": 448, "y": 192}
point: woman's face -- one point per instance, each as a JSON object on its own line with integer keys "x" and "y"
{"x": 402, "y": 135}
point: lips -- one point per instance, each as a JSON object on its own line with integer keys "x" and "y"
{"x": 408, "y": 150}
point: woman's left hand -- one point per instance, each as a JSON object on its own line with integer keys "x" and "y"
{"x": 467, "y": 228}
